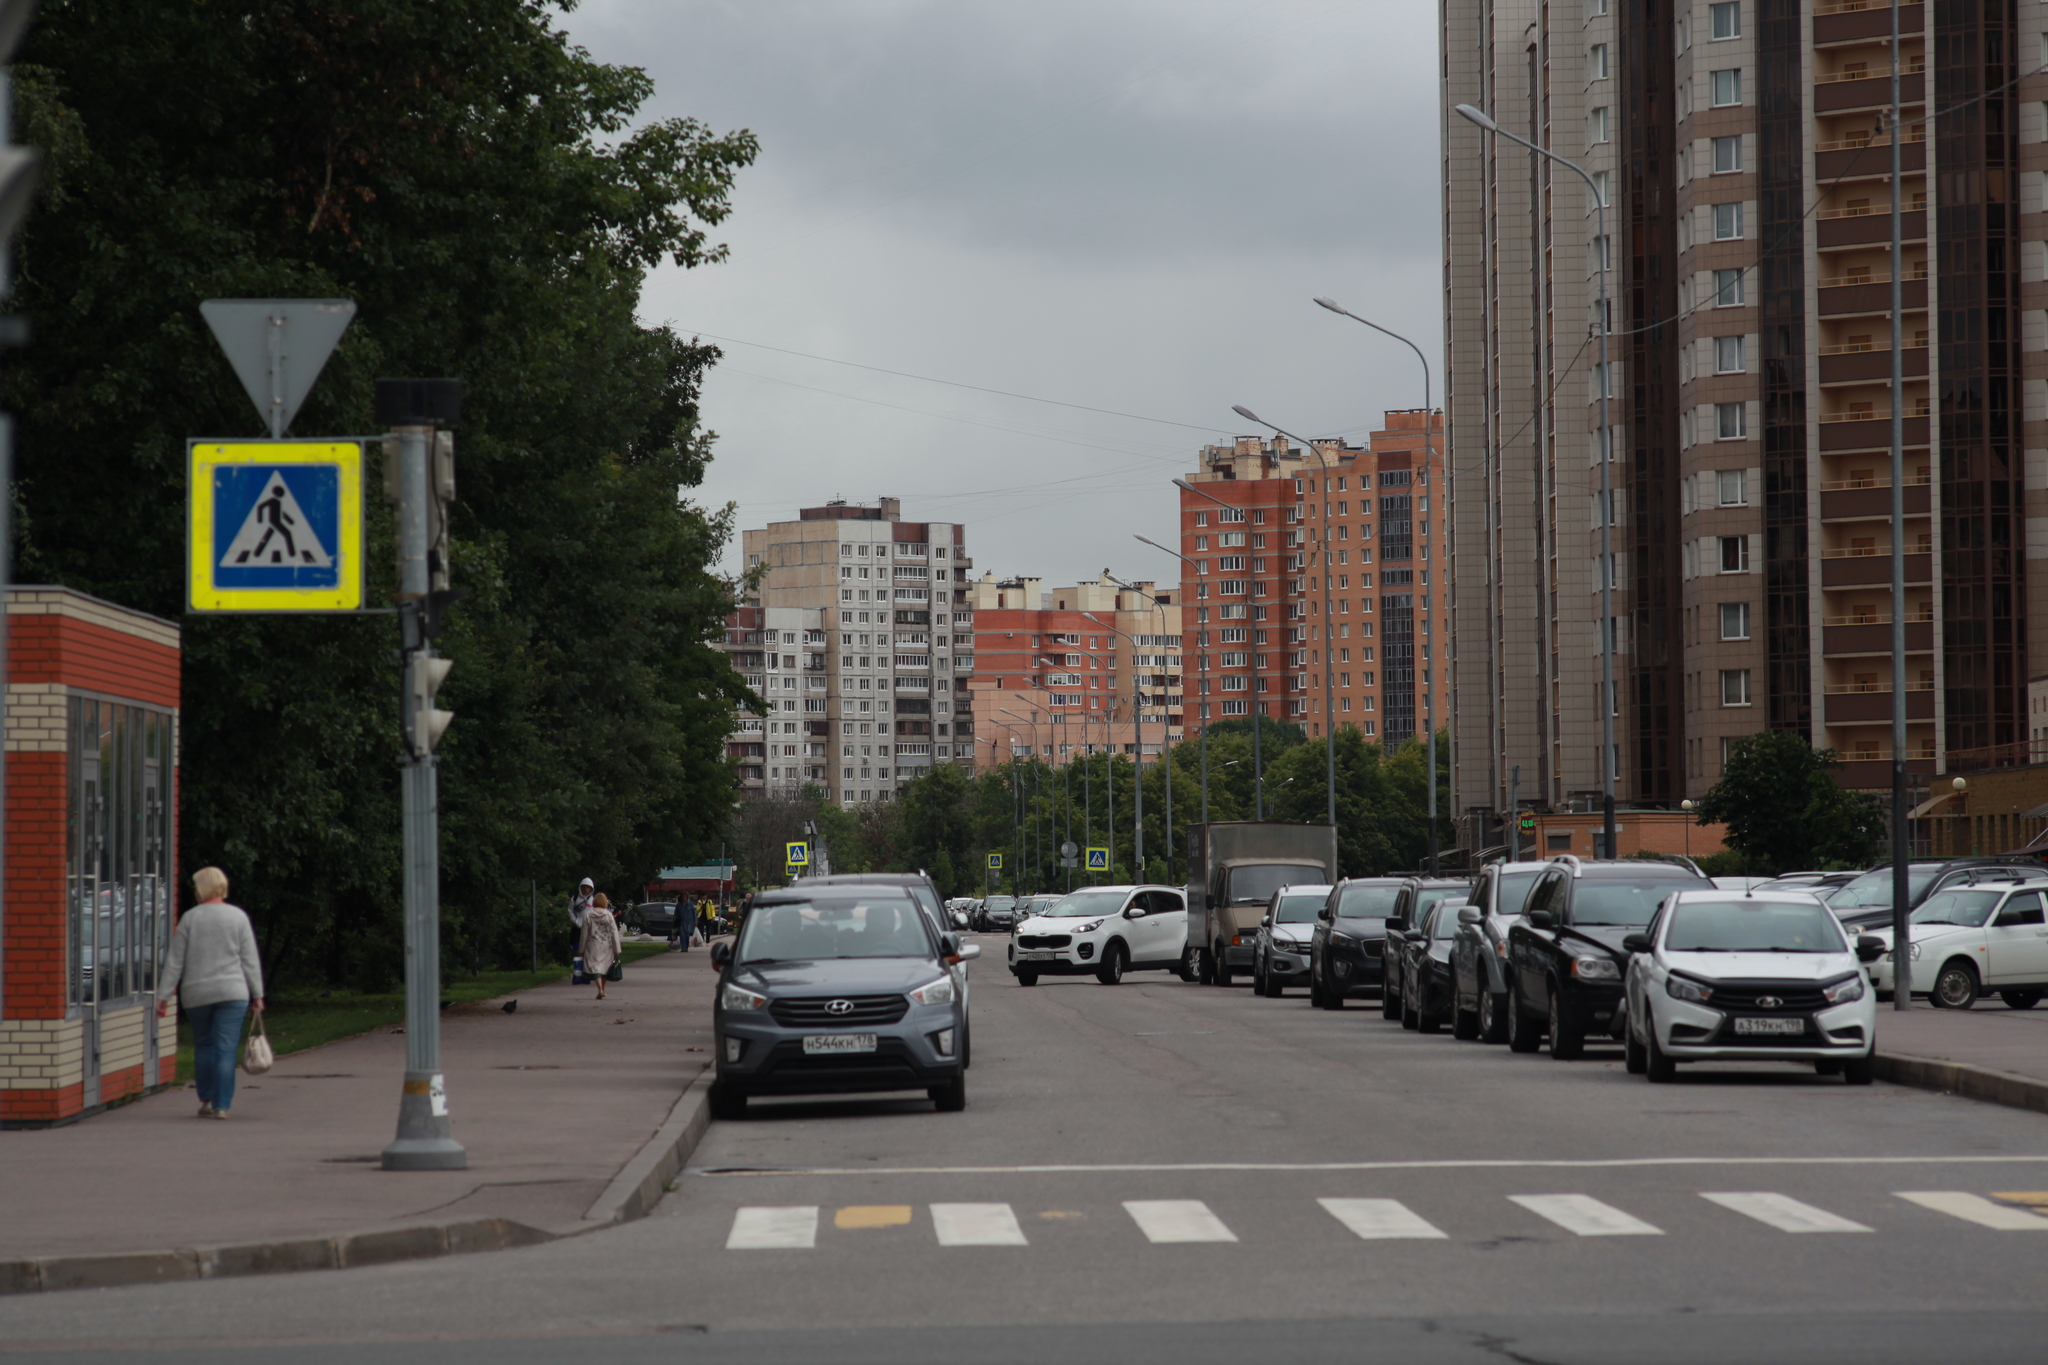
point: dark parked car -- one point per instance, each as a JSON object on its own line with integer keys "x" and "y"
{"x": 1565, "y": 955}
{"x": 1416, "y": 896}
{"x": 917, "y": 884}
{"x": 1866, "y": 903}
{"x": 1479, "y": 949}
{"x": 837, "y": 989}
{"x": 1426, "y": 967}
{"x": 1345, "y": 955}
{"x": 999, "y": 914}
{"x": 652, "y": 917}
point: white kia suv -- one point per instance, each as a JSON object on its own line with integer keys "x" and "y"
{"x": 1103, "y": 931}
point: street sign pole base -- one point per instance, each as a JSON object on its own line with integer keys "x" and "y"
{"x": 426, "y": 1140}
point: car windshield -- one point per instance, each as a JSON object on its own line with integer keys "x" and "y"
{"x": 1299, "y": 909}
{"x": 1628, "y": 903}
{"x": 1513, "y": 892}
{"x": 873, "y": 925}
{"x": 1874, "y": 888}
{"x": 1000, "y": 903}
{"x": 1752, "y": 926}
{"x": 1259, "y": 881}
{"x": 1366, "y": 902}
{"x": 1428, "y": 896}
{"x": 1967, "y": 908}
{"x": 1087, "y": 905}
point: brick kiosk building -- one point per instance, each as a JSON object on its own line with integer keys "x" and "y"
{"x": 91, "y": 876}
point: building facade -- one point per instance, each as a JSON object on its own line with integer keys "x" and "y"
{"x": 872, "y": 644}
{"x": 1270, "y": 531}
{"x": 1745, "y": 155}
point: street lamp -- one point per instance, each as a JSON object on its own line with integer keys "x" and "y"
{"x": 1137, "y": 760}
{"x": 1429, "y": 596}
{"x": 1686, "y": 806}
{"x": 1165, "y": 725}
{"x": 1607, "y": 755}
{"x": 1329, "y": 695}
{"x": 1202, "y": 734}
{"x": 1258, "y": 761}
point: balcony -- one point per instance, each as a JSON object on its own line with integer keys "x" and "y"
{"x": 1874, "y": 570}
{"x": 1851, "y": 504}
{"x": 1873, "y": 158}
{"x": 1874, "y": 707}
{"x": 1846, "y": 431}
{"x": 1870, "y": 229}
{"x": 1833, "y": 96}
{"x": 1874, "y": 637}
{"x": 1844, "y": 296}
{"x": 1853, "y": 21}
{"x": 1871, "y": 366}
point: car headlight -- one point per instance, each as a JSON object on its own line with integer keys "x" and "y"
{"x": 938, "y": 992}
{"x": 1595, "y": 969}
{"x": 733, "y": 997}
{"x": 1090, "y": 927}
{"x": 1678, "y": 988}
{"x": 1842, "y": 992}
{"x": 1342, "y": 941}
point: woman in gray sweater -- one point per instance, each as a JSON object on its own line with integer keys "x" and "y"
{"x": 214, "y": 971}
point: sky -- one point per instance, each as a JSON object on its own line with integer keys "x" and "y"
{"x": 1122, "y": 206}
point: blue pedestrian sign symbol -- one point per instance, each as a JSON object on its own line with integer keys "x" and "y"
{"x": 799, "y": 855}
{"x": 276, "y": 526}
{"x": 1098, "y": 860}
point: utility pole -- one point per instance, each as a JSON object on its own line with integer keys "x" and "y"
{"x": 419, "y": 478}
{"x": 1902, "y": 962}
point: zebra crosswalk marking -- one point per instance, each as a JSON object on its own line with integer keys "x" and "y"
{"x": 1586, "y": 1216}
{"x": 1377, "y": 1219}
{"x": 1975, "y": 1208}
{"x": 764, "y": 1229}
{"x": 976, "y": 1225}
{"x": 1783, "y": 1212}
{"x": 1177, "y": 1220}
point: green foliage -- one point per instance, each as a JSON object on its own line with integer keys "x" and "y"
{"x": 464, "y": 174}
{"x": 1382, "y": 800}
{"x": 1784, "y": 811}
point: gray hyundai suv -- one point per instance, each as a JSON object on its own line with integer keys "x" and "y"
{"x": 840, "y": 990}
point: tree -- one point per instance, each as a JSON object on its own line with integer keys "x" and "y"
{"x": 467, "y": 177}
{"x": 1785, "y": 811}
{"x": 938, "y": 823}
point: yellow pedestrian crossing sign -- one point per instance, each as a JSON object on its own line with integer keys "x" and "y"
{"x": 275, "y": 526}
{"x": 799, "y": 855}
{"x": 995, "y": 862}
{"x": 1098, "y": 860}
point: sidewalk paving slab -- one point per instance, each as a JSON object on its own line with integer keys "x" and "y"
{"x": 1989, "y": 1053}
{"x": 574, "y": 1111}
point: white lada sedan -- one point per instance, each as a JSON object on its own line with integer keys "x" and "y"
{"x": 1103, "y": 932}
{"x": 1970, "y": 940}
{"x": 1762, "y": 976}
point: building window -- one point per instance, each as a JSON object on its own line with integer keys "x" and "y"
{"x": 1734, "y": 554}
{"x": 1727, "y": 288}
{"x": 1725, "y": 20}
{"x": 1727, "y": 155}
{"x": 1735, "y": 620}
{"x": 1597, "y": 125}
{"x": 1730, "y": 421}
{"x": 1727, "y": 222}
{"x": 1727, "y": 86}
{"x": 1734, "y": 687}
{"x": 1734, "y": 487}
{"x": 1596, "y": 62}
{"x": 1600, "y": 189}
{"x": 1728, "y": 355}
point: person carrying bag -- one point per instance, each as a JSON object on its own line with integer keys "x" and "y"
{"x": 601, "y": 944}
{"x": 214, "y": 971}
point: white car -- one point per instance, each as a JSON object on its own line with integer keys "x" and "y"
{"x": 1280, "y": 954}
{"x": 1103, "y": 931}
{"x": 1762, "y": 976}
{"x": 1971, "y": 939}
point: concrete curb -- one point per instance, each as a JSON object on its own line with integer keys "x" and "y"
{"x": 1960, "y": 1078}
{"x": 632, "y": 1194}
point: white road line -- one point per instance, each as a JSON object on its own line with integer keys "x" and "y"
{"x": 1177, "y": 1220}
{"x": 1784, "y": 1213}
{"x": 976, "y": 1225}
{"x": 765, "y": 1229}
{"x": 1585, "y": 1215}
{"x": 1284, "y": 1167}
{"x": 1377, "y": 1219}
{"x": 1975, "y": 1208}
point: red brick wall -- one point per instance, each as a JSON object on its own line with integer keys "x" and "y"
{"x": 41, "y": 1105}
{"x": 47, "y": 648}
{"x": 36, "y": 809}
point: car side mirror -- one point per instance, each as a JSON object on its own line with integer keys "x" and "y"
{"x": 949, "y": 944}
{"x": 721, "y": 954}
{"x": 968, "y": 952}
{"x": 1397, "y": 924}
{"x": 1869, "y": 947}
{"x": 1324, "y": 914}
{"x": 1636, "y": 943}
{"x": 1542, "y": 919}
{"x": 1469, "y": 914}
{"x": 1266, "y": 923}
{"x": 1135, "y": 912}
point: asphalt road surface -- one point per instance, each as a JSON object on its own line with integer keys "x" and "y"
{"x": 1166, "y": 1172}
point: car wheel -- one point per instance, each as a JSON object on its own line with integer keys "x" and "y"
{"x": 1409, "y": 1018}
{"x": 1194, "y": 967}
{"x": 1493, "y": 1017}
{"x": 1111, "y": 972}
{"x": 1565, "y": 1044}
{"x": 966, "y": 1047}
{"x": 1523, "y": 1035}
{"x": 1659, "y": 1068}
{"x": 1955, "y": 986}
{"x": 2020, "y": 1000}
{"x": 1027, "y": 978}
{"x": 727, "y": 1102}
{"x": 1464, "y": 1023}
{"x": 951, "y": 1097}
{"x": 1219, "y": 972}
{"x": 1634, "y": 1056}
{"x": 1427, "y": 1018}
{"x": 1860, "y": 1070}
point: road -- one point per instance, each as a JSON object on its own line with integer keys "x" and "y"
{"x": 1161, "y": 1171}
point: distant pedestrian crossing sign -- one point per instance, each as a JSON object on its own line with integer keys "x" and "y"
{"x": 1098, "y": 860}
{"x": 995, "y": 862}
{"x": 275, "y": 526}
{"x": 799, "y": 855}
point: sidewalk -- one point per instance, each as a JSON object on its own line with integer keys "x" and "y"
{"x": 553, "y": 1103}
{"x": 1987, "y": 1053}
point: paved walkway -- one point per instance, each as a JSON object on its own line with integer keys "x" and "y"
{"x": 551, "y": 1101}
{"x": 1989, "y": 1035}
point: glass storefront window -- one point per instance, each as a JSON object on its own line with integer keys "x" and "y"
{"x": 119, "y": 843}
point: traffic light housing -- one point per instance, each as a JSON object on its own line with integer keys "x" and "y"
{"x": 425, "y": 722}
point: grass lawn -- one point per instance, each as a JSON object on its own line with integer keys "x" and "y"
{"x": 297, "y": 1021}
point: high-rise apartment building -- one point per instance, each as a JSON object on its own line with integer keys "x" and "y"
{"x": 1744, "y": 151}
{"x": 1259, "y": 549}
{"x": 859, "y": 637}
{"x": 1063, "y": 671}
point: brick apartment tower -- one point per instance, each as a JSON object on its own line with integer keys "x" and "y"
{"x": 92, "y": 744}
{"x": 1746, "y": 164}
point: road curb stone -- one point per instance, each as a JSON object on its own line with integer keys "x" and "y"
{"x": 1960, "y": 1078}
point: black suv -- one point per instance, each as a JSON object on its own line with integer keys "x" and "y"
{"x": 1346, "y": 955}
{"x": 1416, "y": 896}
{"x": 1565, "y": 955}
{"x": 1479, "y": 950}
{"x": 1866, "y": 903}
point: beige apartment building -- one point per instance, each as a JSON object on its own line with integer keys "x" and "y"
{"x": 873, "y": 645}
{"x": 1743, "y": 153}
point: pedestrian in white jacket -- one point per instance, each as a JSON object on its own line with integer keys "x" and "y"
{"x": 214, "y": 971}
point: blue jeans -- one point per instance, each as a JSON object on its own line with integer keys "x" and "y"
{"x": 217, "y": 1037}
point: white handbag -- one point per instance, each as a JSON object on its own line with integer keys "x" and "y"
{"x": 257, "y": 1057}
